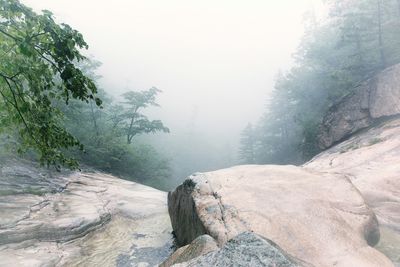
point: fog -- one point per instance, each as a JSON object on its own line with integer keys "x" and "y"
{"x": 215, "y": 61}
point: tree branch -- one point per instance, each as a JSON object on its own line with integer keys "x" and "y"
{"x": 9, "y": 35}
{"x": 15, "y": 105}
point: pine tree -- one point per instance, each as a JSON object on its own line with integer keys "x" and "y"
{"x": 247, "y": 145}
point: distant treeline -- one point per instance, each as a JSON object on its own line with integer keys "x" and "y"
{"x": 357, "y": 39}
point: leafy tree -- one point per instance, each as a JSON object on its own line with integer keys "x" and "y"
{"x": 105, "y": 149}
{"x": 134, "y": 122}
{"x": 37, "y": 69}
{"x": 50, "y": 100}
{"x": 103, "y": 137}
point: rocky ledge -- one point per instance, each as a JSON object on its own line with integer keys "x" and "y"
{"x": 79, "y": 219}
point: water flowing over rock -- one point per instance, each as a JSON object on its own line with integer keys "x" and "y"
{"x": 375, "y": 98}
{"x": 79, "y": 219}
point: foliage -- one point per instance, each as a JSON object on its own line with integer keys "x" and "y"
{"x": 134, "y": 122}
{"x": 37, "y": 69}
{"x": 103, "y": 135}
{"x": 50, "y": 104}
{"x": 356, "y": 40}
{"x": 105, "y": 145}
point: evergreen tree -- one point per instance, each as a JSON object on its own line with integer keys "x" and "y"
{"x": 355, "y": 41}
{"x": 247, "y": 145}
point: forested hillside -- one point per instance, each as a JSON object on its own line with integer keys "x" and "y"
{"x": 52, "y": 109}
{"x": 351, "y": 43}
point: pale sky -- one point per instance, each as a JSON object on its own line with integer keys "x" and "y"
{"x": 214, "y": 60}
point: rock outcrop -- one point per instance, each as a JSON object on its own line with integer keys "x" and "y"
{"x": 375, "y": 98}
{"x": 200, "y": 246}
{"x": 79, "y": 219}
{"x": 316, "y": 217}
{"x": 246, "y": 249}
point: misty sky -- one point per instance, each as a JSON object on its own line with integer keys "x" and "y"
{"x": 215, "y": 60}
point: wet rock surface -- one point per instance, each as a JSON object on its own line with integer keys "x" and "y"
{"x": 79, "y": 219}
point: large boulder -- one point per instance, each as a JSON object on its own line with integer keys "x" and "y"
{"x": 375, "y": 98}
{"x": 318, "y": 218}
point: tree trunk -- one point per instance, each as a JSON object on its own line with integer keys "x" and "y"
{"x": 398, "y": 6}
{"x": 380, "y": 35}
{"x": 360, "y": 53}
{"x": 130, "y": 134}
{"x": 96, "y": 128}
